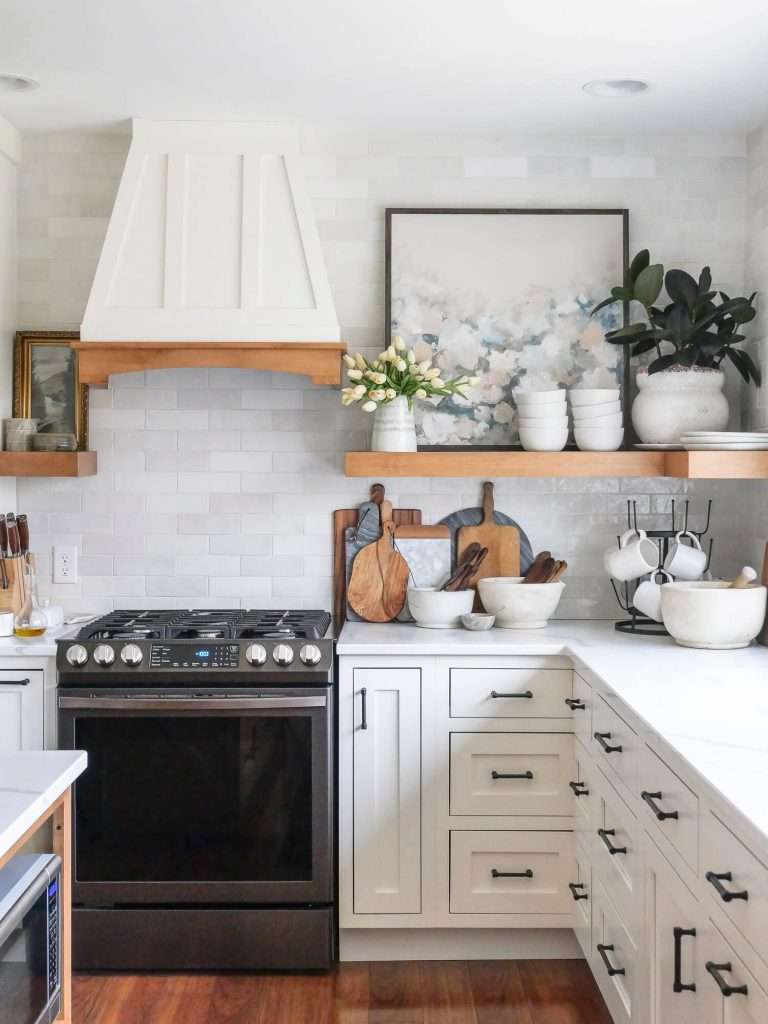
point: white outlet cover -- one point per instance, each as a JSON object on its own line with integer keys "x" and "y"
{"x": 65, "y": 564}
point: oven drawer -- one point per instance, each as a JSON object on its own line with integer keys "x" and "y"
{"x": 511, "y": 773}
{"x": 512, "y": 872}
{"x": 510, "y": 692}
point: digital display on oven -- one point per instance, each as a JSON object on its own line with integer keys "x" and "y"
{"x": 186, "y": 655}
{"x": 203, "y": 652}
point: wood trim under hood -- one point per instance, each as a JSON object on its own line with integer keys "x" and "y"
{"x": 319, "y": 360}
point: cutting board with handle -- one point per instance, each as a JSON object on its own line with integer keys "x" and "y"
{"x": 379, "y": 580}
{"x": 427, "y": 550}
{"x": 763, "y": 636}
{"x": 503, "y": 543}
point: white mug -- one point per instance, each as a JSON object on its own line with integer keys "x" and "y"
{"x": 647, "y": 597}
{"x": 635, "y": 556}
{"x": 684, "y": 562}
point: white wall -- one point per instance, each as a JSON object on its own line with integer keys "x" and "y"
{"x": 216, "y": 487}
{"x": 10, "y": 154}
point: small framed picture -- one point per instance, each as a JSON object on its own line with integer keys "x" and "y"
{"x": 46, "y": 384}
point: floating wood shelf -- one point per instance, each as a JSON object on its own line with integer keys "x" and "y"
{"x": 490, "y": 464}
{"x": 47, "y": 463}
{"x": 319, "y": 360}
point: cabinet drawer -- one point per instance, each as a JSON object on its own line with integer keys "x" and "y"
{"x": 512, "y": 773}
{"x": 511, "y": 872}
{"x": 582, "y": 787}
{"x": 743, "y": 1001}
{"x": 722, "y": 853}
{"x": 580, "y": 888}
{"x": 510, "y": 692}
{"x": 614, "y": 959}
{"x": 583, "y": 699}
{"x": 22, "y": 717}
{"x": 619, "y": 871}
{"x": 673, "y": 808}
{"x": 614, "y": 743}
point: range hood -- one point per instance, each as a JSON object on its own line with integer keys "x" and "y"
{"x": 211, "y": 258}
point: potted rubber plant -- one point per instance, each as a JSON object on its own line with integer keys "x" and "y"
{"x": 692, "y": 335}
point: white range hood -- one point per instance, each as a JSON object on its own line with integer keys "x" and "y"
{"x": 212, "y": 248}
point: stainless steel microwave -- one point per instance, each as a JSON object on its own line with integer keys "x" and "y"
{"x": 30, "y": 935}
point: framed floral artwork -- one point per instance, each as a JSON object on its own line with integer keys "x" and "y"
{"x": 504, "y": 295}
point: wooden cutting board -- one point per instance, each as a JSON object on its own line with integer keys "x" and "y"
{"x": 379, "y": 580}
{"x": 503, "y": 543}
{"x": 763, "y": 637}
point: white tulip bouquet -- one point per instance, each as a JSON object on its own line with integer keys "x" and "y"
{"x": 393, "y": 373}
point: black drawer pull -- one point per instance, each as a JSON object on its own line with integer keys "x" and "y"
{"x": 525, "y": 694}
{"x": 579, "y": 789}
{"x": 604, "y": 950}
{"x": 511, "y": 775}
{"x": 726, "y": 895}
{"x": 605, "y": 834}
{"x": 601, "y": 737}
{"x": 722, "y": 984}
{"x": 677, "y": 984}
{"x": 574, "y": 887}
{"x": 364, "y": 696}
{"x": 575, "y": 704}
{"x": 511, "y": 874}
{"x": 14, "y": 682}
{"x": 650, "y": 799}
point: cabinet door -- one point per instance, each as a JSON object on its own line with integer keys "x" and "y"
{"x": 738, "y": 996}
{"x": 21, "y": 710}
{"x": 387, "y": 791}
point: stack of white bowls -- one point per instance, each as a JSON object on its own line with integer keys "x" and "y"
{"x": 542, "y": 420}
{"x": 598, "y": 424}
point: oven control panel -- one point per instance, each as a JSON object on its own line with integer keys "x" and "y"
{"x": 202, "y": 655}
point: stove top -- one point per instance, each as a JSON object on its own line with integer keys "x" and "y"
{"x": 208, "y": 624}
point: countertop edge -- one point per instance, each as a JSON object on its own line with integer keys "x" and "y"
{"x": 40, "y": 800}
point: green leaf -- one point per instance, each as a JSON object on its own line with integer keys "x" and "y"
{"x": 638, "y": 264}
{"x": 738, "y": 360}
{"x": 681, "y": 287}
{"x": 602, "y": 305}
{"x": 648, "y": 284}
{"x": 705, "y": 280}
{"x": 710, "y": 344}
{"x": 622, "y": 294}
{"x": 744, "y": 314}
{"x": 663, "y": 363}
{"x": 631, "y": 332}
{"x": 678, "y": 321}
{"x": 646, "y": 345}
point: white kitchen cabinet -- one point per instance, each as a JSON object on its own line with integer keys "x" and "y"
{"x": 386, "y": 713}
{"x": 22, "y": 713}
{"x": 615, "y": 959}
{"x": 735, "y": 995}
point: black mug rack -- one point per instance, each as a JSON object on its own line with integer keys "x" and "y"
{"x": 637, "y": 622}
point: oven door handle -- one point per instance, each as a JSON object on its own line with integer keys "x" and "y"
{"x": 189, "y": 703}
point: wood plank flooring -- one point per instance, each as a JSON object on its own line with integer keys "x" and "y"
{"x": 419, "y": 992}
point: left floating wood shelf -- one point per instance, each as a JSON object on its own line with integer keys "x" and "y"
{"x": 48, "y": 464}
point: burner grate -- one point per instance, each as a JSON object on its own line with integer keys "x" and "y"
{"x": 208, "y": 624}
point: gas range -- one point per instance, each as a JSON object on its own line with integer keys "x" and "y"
{"x": 234, "y": 648}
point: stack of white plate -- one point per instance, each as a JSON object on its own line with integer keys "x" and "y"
{"x": 598, "y": 423}
{"x": 542, "y": 420}
{"x": 724, "y": 441}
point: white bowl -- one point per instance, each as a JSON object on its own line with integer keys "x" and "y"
{"x": 539, "y": 397}
{"x": 609, "y": 422}
{"x": 544, "y": 439}
{"x": 552, "y": 410}
{"x": 711, "y": 614}
{"x": 589, "y": 412}
{"x": 599, "y": 439}
{"x": 593, "y": 396}
{"x": 439, "y": 609}
{"x": 477, "y": 621}
{"x": 519, "y": 605}
{"x": 543, "y": 422}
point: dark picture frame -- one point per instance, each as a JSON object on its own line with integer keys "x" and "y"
{"x": 46, "y": 383}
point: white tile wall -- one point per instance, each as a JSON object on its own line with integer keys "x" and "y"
{"x": 216, "y": 487}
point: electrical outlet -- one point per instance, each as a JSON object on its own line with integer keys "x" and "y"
{"x": 64, "y": 564}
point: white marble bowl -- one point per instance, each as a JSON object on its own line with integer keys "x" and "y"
{"x": 712, "y": 614}
{"x": 477, "y": 621}
{"x": 519, "y": 605}
{"x": 439, "y": 609}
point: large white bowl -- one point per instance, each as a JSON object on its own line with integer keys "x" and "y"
{"x": 519, "y": 605}
{"x": 590, "y": 412}
{"x": 539, "y": 397}
{"x": 593, "y": 396}
{"x": 711, "y": 614}
{"x": 544, "y": 422}
{"x": 551, "y": 410}
{"x": 544, "y": 439}
{"x": 439, "y": 609}
{"x": 598, "y": 439}
{"x": 612, "y": 420}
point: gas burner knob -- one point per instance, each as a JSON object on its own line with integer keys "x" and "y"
{"x": 283, "y": 655}
{"x": 77, "y": 655}
{"x": 310, "y": 654}
{"x": 256, "y": 654}
{"x": 104, "y": 655}
{"x": 131, "y": 655}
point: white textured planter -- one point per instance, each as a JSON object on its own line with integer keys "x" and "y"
{"x": 394, "y": 429}
{"x": 675, "y": 401}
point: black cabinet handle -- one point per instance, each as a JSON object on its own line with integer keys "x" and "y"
{"x": 579, "y": 789}
{"x": 651, "y": 798}
{"x": 604, "y": 950}
{"x": 575, "y": 704}
{"x": 726, "y": 895}
{"x": 511, "y": 874}
{"x": 677, "y": 984}
{"x": 605, "y": 834}
{"x": 727, "y": 990}
{"x": 14, "y": 682}
{"x": 574, "y": 887}
{"x": 364, "y": 695}
{"x": 601, "y": 737}
{"x": 511, "y": 775}
{"x": 525, "y": 694}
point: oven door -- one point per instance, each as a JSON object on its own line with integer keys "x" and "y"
{"x": 223, "y": 800}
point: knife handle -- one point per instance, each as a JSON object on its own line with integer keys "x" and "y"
{"x": 13, "y": 538}
{"x": 3, "y": 535}
{"x": 23, "y": 529}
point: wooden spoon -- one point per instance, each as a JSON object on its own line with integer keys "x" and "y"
{"x": 535, "y": 572}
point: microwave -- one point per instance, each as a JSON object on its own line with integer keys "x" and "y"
{"x": 30, "y": 937}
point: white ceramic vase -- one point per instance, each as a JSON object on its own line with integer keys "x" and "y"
{"x": 394, "y": 429}
{"x": 674, "y": 401}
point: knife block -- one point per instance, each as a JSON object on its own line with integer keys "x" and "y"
{"x": 12, "y": 598}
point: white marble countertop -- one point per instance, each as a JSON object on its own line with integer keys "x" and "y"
{"x": 709, "y": 706}
{"x": 30, "y": 781}
{"x": 34, "y": 646}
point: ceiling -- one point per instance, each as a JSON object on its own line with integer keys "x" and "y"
{"x": 426, "y": 65}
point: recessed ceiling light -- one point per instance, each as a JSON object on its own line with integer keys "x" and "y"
{"x": 16, "y": 83}
{"x": 613, "y": 87}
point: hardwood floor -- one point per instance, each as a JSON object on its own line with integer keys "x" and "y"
{"x": 423, "y": 992}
